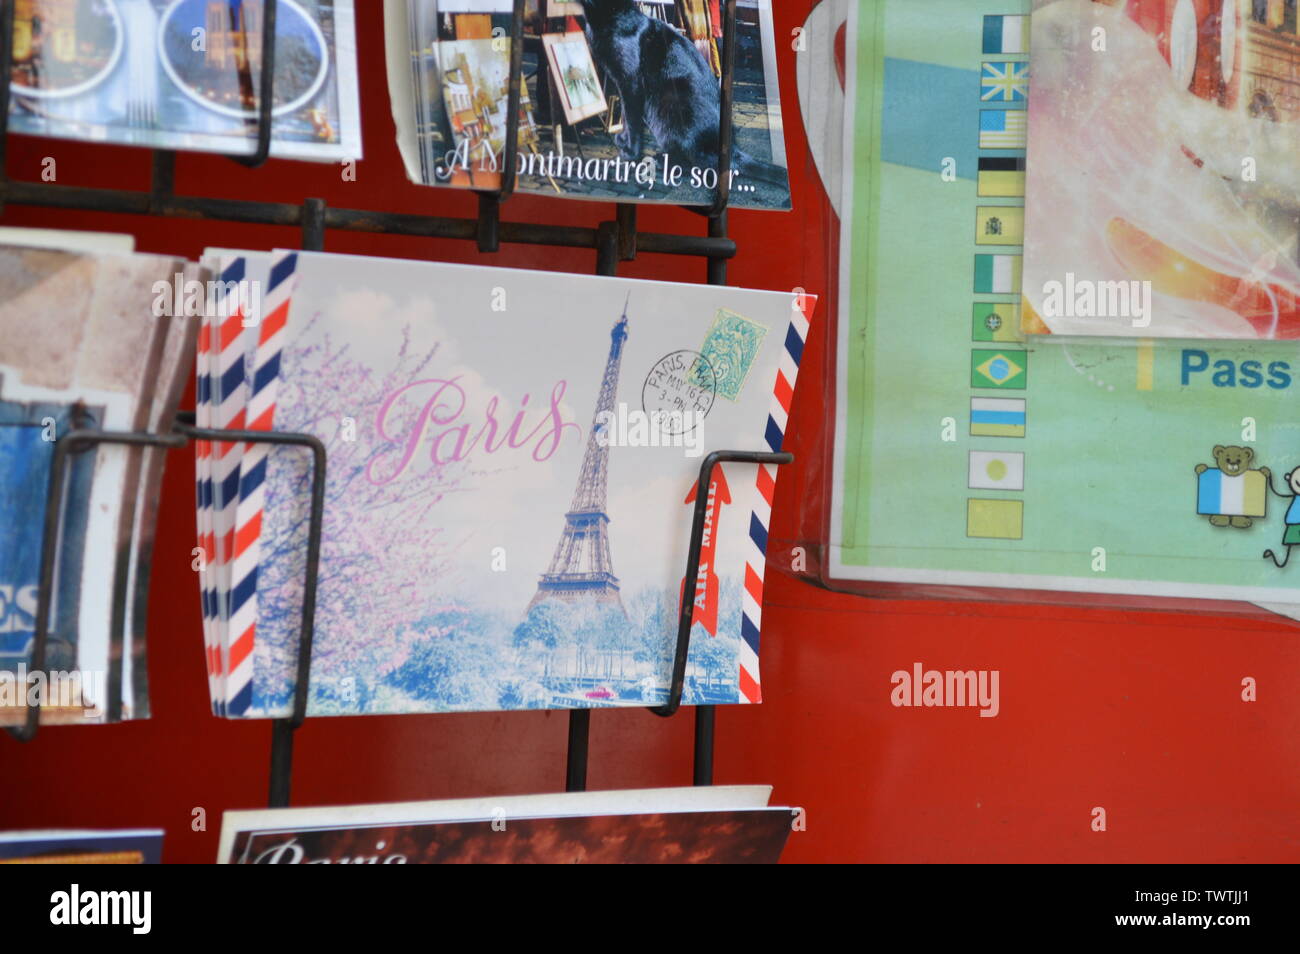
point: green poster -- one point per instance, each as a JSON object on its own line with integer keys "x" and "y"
{"x": 968, "y": 454}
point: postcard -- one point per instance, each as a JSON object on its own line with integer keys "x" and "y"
{"x": 512, "y": 460}
{"x": 185, "y": 74}
{"x": 73, "y": 847}
{"x": 598, "y": 119}
{"x": 232, "y": 326}
{"x": 93, "y": 361}
{"x": 1182, "y": 202}
{"x": 177, "y": 354}
{"x": 703, "y": 825}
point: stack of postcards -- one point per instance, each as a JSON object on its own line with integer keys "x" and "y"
{"x": 88, "y": 340}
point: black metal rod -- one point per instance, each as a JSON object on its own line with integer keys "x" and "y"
{"x": 607, "y": 249}
{"x": 347, "y": 220}
{"x": 53, "y": 522}
{"x": 162, "y": 180}
{"x": 6, "y": 71}
{"x": 717, "y": 264}
{"x": 511, "y": 152}
{"x": 692, "y": 579}
{"x": 277, "y": 795}
{"x": 575, "y": 770}
{"x": 705, "y": 724}
{"x": 488, "y": 234}
{"x": 706, "y": 716}
{"x": 726, "y": 100}
{"x": 266, "y": 91}
{"x": 626, "y": 231}
{"x": 313, "y": 225}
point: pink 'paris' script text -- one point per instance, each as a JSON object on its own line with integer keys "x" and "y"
{"x": 451, "y": 441}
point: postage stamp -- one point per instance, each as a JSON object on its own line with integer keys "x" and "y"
{"x": 732, "y": 344}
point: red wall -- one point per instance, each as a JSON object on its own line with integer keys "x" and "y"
{"x": 1138, "y": 713}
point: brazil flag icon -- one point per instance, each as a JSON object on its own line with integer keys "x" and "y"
{"x": 1004, "y": 370}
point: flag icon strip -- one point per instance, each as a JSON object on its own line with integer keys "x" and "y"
{"x": 1006, "y": 34}
{"x": 996, "y": 470}
{"x": 995, "y": 519}
{"x": 1003, "y": 129}
{"x": 1002, "y": 163}
{"x": 999, "y": 369}
{"x": 1001, "y": 177}
{"x": 995, "y": 321}
{"x": 1004, "y": 82}
{"x": 997, "y": 417}
{"x": 997, "y": 274}
{"x": 999, "y": 225}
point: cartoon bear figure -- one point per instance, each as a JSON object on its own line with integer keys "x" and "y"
{"x": 1230, "y": 493}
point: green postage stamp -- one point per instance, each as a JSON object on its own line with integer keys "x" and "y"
{"x": 732, "y": 344}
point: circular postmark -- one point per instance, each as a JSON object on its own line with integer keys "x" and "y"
{"x": 679, "y": 391}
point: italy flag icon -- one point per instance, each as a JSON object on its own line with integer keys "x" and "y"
{"x": 998, "y": 274}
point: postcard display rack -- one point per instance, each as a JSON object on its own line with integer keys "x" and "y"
{"x": 613, "y": 241}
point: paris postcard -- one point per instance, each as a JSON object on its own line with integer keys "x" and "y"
{"x": 511, "y": 478}
{"x": 707, "y": 824}
{"x": 595, "y": 121}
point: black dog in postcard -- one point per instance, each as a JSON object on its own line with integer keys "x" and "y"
{"x": 666, "y": 86}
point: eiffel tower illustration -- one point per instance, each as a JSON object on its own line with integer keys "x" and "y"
{"x": 581, "y": 569}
